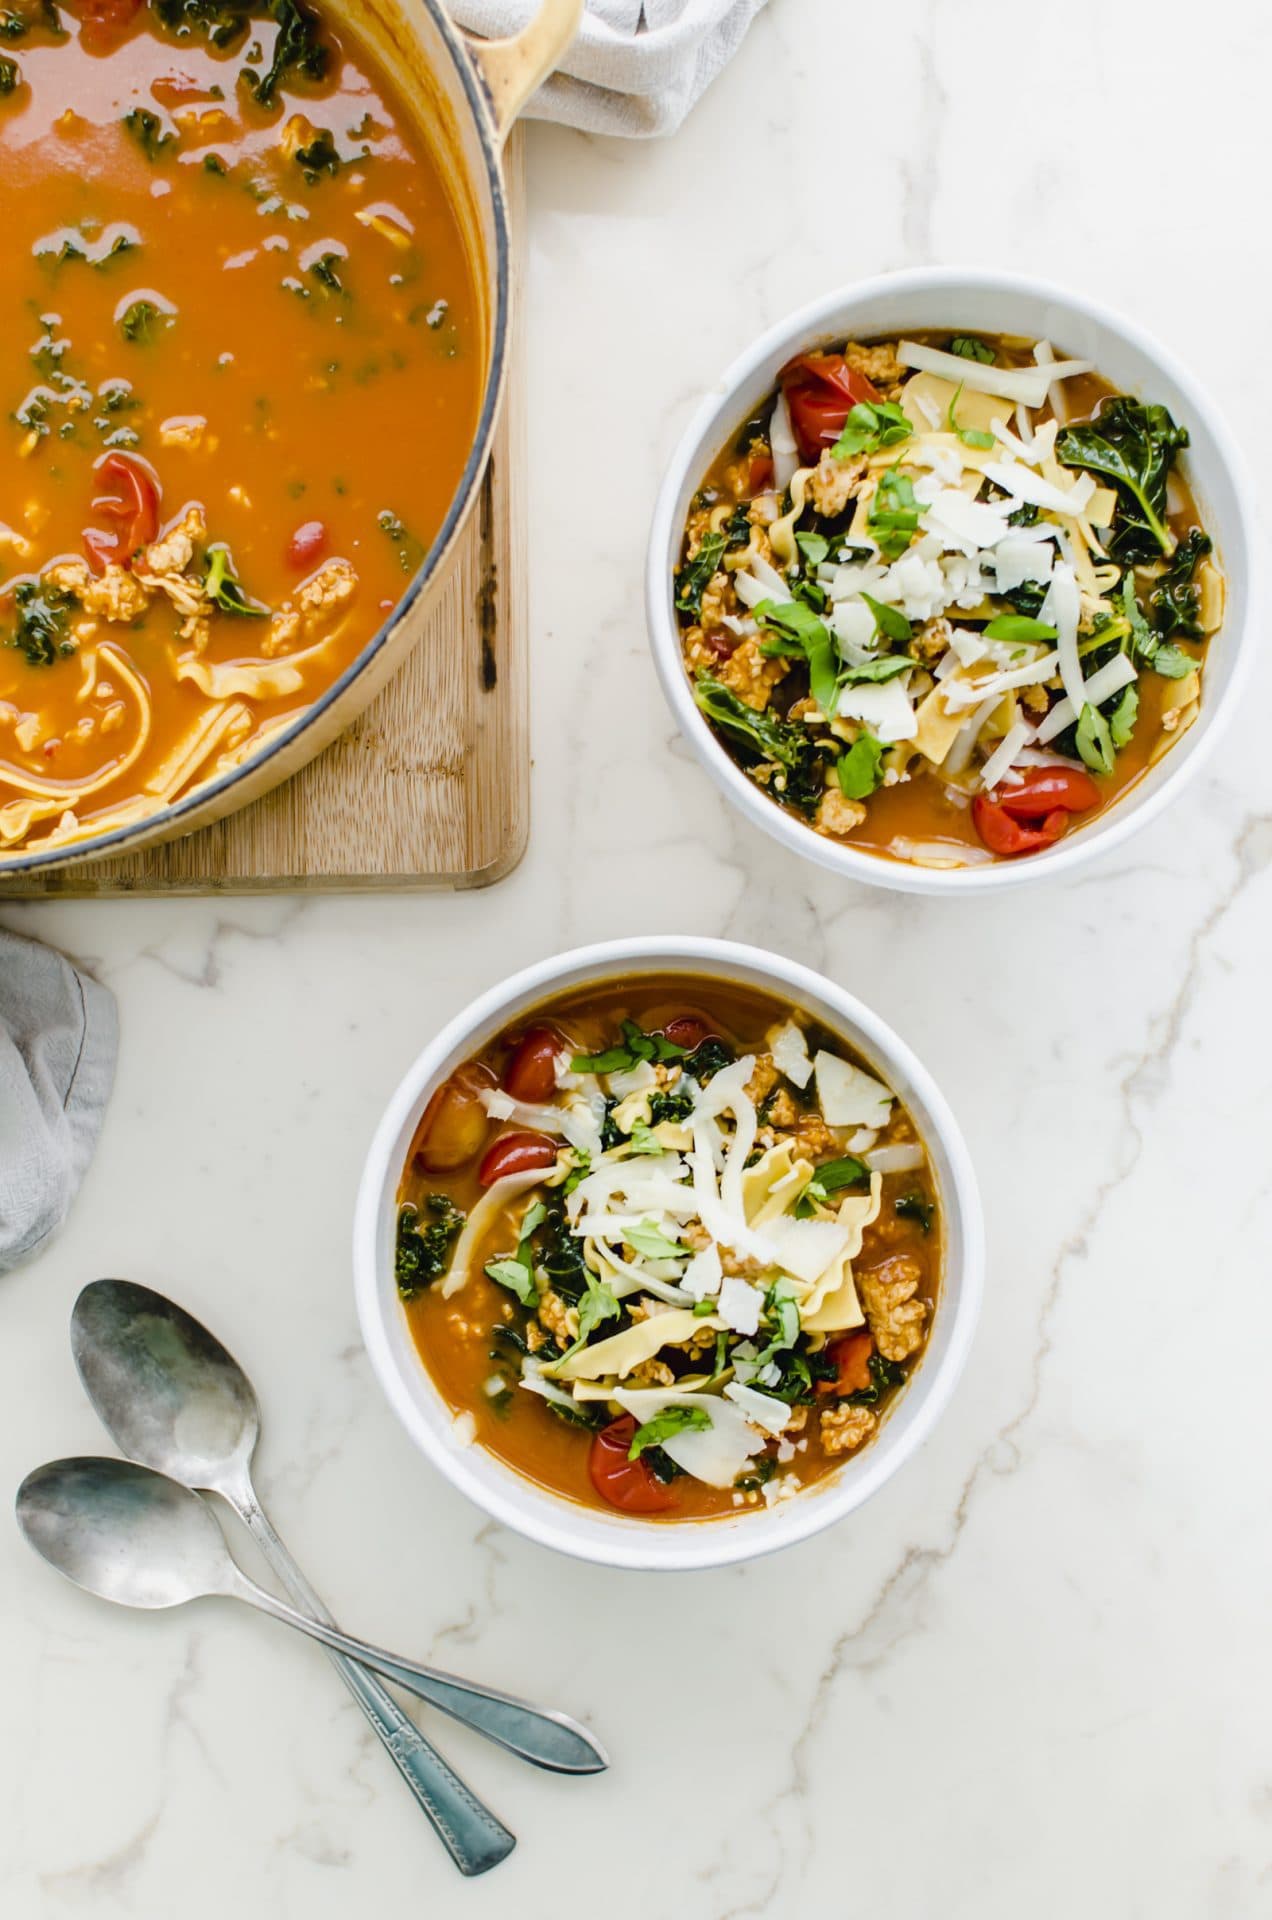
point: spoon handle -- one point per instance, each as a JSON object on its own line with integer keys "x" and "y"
{"x": 475, "y": 1839}
{"x": 546, "y": 1739}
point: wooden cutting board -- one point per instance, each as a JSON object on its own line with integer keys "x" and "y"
{"x": 431, "y": 787}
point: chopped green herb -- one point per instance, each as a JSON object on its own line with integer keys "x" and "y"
{"x": 650, "y": 1241}
{"x": 795, "y": 630}
{"x": 642, "y": 1140}
{"x": 968, "y": 347}
{"x": 10, "y": 75}
{"x": 666, "y": 1425}
{"x": 326, "y": 270}
{"x": 860, "y": 770}
{"x": 1017, "y": 630}
{"x": 516, "y": 1271}
{"x": 635, "y": 1046}
{"x": 889, "y": 621}
{"x": 669, "y": 1106}
{"x": 42, "y": 630}
{"x": 893, "y": 519}
{"x": 1094, "y": 741}
{"x": 1146, "y": 645}
{"x": 1123, "y": 717}
{"x": 870, "y": 426}
{"x": 411, "y": 553}
{"x": 970, "y": 436}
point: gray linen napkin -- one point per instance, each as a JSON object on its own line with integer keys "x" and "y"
{"x": 636, "y": 67}
{"x": 58, "y": 1035}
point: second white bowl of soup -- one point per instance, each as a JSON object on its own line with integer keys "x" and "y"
{"x": 950, "y": 579}
{"x": 668, "y": 1253}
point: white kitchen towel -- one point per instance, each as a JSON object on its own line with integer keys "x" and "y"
{"x": 636, "y": 67}
{"x": 58, "y": 1035}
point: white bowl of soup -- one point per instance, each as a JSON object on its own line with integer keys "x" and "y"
{"x": 950, "y": 580}
{"x": 668, "y": 1253}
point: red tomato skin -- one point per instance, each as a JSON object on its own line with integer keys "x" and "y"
{"x": 760, "y": 472}
{"x": 307, "y": 544}
{"x": 851, "y": 1355}
{"x": 530, "y": 1074}
{"x": 516, "y": 1153}
{"x": 103, "y": 22}
{"x": 1008, "y": 837}
{"x": 132, "y": 500}
{"x": 821, "y": 390}
{"x": 1043, "y": 789}
{"x": 454, "y": 1125}
{"x": 626, "y": 1484}
{"x": 687, "y": 1030}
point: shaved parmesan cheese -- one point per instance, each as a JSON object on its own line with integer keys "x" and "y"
{"x": 579, "y": 1121}
{"x": 884, "y": 707}
{"x": 740, "y": 1305}
{"x": 782, "y": 444}
{"x": 717, "y": 1454}
{"x": 1027, "y": 384}
{"x": 479, "y": 1222}
{"x": 961, "y": 694}
{"x": 848, "y": 1096}
{"x": 1023, "y": 484}
{"x": 703, "y": 1274}
{"x": 533, "y": 1381}
{"x": 1001, "y": 758}
{"x": 760, "y": 582}
{"x": 853, "y": 625}
{"x": 789, "y": 1049}
{"x": 1109, "y": 680}
{"x": 1018, "y": 558}
{"x": 761, "y": 1409}
{"x": 970, "y": 526}
{"x": 635, "y": 1079}
{"x": 965, "y": 741}
{"x": 1062, "y": 610}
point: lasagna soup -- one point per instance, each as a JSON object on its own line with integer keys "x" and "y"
{"x": 947, "y": 597}
{"x": 242, "y": 351}
{"x": 667, "y": 1247}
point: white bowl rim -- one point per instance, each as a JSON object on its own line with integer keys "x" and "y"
{"x": 1136, "y": 809}
{"x": 553, "y": 1521}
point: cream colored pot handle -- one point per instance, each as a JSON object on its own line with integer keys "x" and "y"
{"x": 512, "y": 69}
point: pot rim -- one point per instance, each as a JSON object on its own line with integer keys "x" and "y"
{"x": 539, "y": 1514}
{"x": 714, "y": 418}
{"x": 120, "y": 839}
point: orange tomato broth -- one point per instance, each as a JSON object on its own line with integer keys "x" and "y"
{"x": 353, "y": 406}
{"x": 455, "y": 1337}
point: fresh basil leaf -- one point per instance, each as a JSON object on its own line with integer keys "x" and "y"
{"x": 968, "y": 347}
{"x": 889, "y": 621}
{"x": 970, "y": 436}
{"x": 813, "y": 546}
{"x": 1123, "y": 717}
{"x": 1095, "y": 742}
{"x": 1018, "y": 630}
{"x": 642, "y": 1140}
{"x": 649, "y": 1240}
{"x": 870, "y": 425}
{"x": 517, "y": 1278}
{"x": 860, "y": 770}
{"x": 666, "y": 1425}
{"x": 893, "y": 518}
{"x": 597, "y": 1304}
{"x": 886, "y": 667}
{"x": 797, "y": 625}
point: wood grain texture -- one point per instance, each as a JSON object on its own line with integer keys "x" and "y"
{"x": 431, "y": 786}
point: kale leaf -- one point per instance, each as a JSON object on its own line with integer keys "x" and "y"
{"x": 669, "y": 1106}
{"x": 41, "y": 633}
{"x": 1134, "y": 446}
{"x": 423, "y": 1255}
{"x": 297, "y": 50}
{"x": 884, "y": 1375}
{"x": 694, "y": 576}
{"x": 768, "y": 738}
{"x": 707, "y": 1059}
{"x": 219, "y": 22}
{"x": 1174, "y": 603}
{"x": 915, "y": 1206}
{"x": 320, "y": 156}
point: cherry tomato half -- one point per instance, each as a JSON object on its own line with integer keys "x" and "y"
{"x": 629, "y": 1484}
{"x": 132, "y": 501}
{"x": 307, "y": 544}
{"x": 104, "y": 22}
{"x": 1033, "y": 813}
{"x": 851, "y": 1355}
{"x": 531, "y": 1070}
{"x": 760, "y": 472}
{"x": 454, "y": 1127}
{"x": 821, "y": 390}
{"x": 1045, "y": 788}
{"x": 516, "y": 1153}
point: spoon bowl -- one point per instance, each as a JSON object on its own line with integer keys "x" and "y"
{"x": 123, "y": 1533}
{"x": 165, "y": 1387}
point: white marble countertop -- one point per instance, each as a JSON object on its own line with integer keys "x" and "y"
{"x": 1023, "y": 1681}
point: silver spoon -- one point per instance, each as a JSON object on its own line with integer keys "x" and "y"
{"x": 175, "y": 1400}
{"x": 132, "y": 1536}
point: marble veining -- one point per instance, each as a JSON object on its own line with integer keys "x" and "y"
{"x": 1029, "y": 1678}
